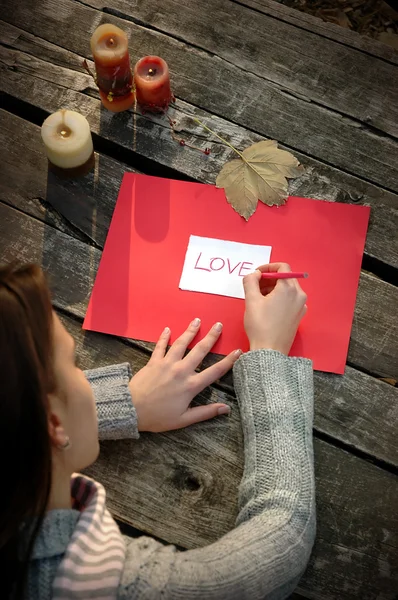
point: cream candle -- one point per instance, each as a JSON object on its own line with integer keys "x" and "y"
{"x": 67, "y": 139}
{"x": 114, "y": 78}
{"x": 152, "y": 84}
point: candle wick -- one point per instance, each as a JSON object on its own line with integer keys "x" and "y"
{"x": 111, "y": 42}
{"x": 152, "y": 72}
{"x": 64, "y": 131}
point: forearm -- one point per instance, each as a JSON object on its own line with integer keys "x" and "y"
{"x": 265, "y": 555}
{"x": 117, "y": 418}
{"x": 277, "y": 493}
{"x": 275, "y": 395}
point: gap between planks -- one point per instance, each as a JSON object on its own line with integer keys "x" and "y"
{"x": 136, "y": 161}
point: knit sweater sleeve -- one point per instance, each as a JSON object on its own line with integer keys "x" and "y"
{"x": 117, "y": 417}
{"x": 267, "y": 552}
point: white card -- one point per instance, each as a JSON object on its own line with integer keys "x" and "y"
{"x": 218, "y": 267}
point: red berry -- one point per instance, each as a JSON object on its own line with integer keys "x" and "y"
{"x": 182, "y": 142}
{"x": 207, "y": 151}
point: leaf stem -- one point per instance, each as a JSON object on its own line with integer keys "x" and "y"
{"x": 219, "y": 137}
{"x": 249, "y": 164}
{"x": 173, "y": 105}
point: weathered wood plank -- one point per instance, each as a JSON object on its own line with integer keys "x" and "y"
{"x": 151, "y": 139}
{"x": 318, "y": 69}
{"x": 358, "y": 410}
{"x": 347, "y": 544}
{"x": 81, "y": 207}
{"x": 234, "y": 94}
{"x": 328, "y": 30}
{"x": 345, "y": 406}
{"x": 170, "y": 485}
{"x": 38, "y": 192}
{"x": 374, "y": 306}
{"x": 19, "y": 136}
{"x": 89, "y": 206}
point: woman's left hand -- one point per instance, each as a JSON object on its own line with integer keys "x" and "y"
{"x": 162, "y": 391}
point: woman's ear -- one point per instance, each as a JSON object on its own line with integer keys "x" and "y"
{"x": 57, "y": 433}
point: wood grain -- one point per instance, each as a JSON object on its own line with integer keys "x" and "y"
{"x": 353, "y": 84}
{"x": 235, "y": 94}
{"x": 88, "y": 205}
{"x": 345, "y": 406}
{"x": 34, "y": 80}
{"x": 81, "y": 207}
{"x": 328, "y": 30}
{"x": 359, "y": 411}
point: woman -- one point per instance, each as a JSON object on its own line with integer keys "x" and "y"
{"x": 58, "y": 539}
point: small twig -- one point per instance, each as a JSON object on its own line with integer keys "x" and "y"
{"x": 209, "y": 130}
{"x": 181, "y": 141}
{"x": 250, "y": 165}
{"x": 89, "y": 71}
{"x": 219, "y": 137}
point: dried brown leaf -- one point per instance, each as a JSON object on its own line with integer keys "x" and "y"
{"x": 278, "y": 160}
{"x": 388, "y": 380}
{"x": 259, "y": 174}
{"x": 240, "y": 187}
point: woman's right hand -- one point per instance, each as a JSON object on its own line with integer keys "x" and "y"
{"x": 274, "y": 309}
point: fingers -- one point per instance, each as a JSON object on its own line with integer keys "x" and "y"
{"x": 274, "y": 268}
{"x": 279, "y": 284}
{"x": 300, "y": 292}
{"x": 161, "y": 345}
{"x": 251, "y": 285}
{"x": 211, "y": 374}
{"x": 202, "y": 348}
{"x": 268, "y": 285}
{"x": 179, "y": 347}
{"x": 202, "y": 413}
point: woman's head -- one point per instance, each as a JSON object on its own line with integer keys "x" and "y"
{"x": 72, "y": 416}
{"x": 44, "y": 401}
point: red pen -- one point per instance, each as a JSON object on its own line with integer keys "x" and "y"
{"x": 286, "y": 275}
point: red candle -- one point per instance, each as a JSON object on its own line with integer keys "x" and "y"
{"x": 114, "y": 78}
{"x": 152, "y": 84}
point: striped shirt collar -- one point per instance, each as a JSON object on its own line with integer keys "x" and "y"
{"x": 90, "y": 541}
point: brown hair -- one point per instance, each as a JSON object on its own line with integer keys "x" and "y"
{"x": 26, "y": 379}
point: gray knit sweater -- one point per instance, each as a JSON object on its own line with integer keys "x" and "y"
{"x": 267, "y": 552}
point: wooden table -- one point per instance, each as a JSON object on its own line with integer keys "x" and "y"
{"x": 250, "y": 69}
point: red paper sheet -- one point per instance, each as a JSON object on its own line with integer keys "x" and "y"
{"x": 136, "y": 290}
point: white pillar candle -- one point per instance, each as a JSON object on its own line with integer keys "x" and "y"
{"x": 67, "y": 138}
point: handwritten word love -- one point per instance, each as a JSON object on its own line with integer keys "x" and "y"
{"x": 221, "y": 264}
